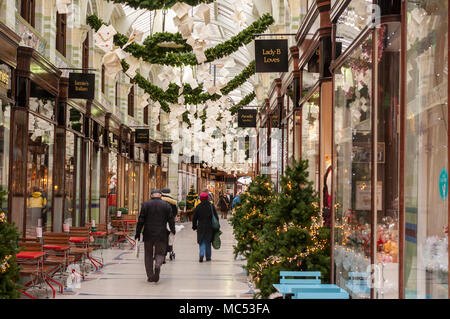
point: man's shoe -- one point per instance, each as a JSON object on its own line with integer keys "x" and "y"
{"x": 156, "y": 277}
{"x": 201, "y": 259}
{"x": 208, "y": 259}
{"x": 150, "y": 280}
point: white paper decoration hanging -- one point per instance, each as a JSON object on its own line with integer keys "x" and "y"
{"x": 104, "y": 37}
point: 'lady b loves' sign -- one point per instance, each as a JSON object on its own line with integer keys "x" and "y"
{"x": 271, "y": 55}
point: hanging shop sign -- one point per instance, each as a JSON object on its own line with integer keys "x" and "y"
{"x": 142, "y": 136}
{"x": 443, "y": 184}
{"x": 167, "y": 148}
{"x": 5, "y": 79}
{"x": 271, "y": 56}
{"x": 247, "y": 118}
{"x": 81, "y": 86}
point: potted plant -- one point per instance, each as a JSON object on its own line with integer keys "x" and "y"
{"x": 182, "y": 208}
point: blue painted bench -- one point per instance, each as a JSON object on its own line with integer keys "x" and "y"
{"x": 299, "y": 278}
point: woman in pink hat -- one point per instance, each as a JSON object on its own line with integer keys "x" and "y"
{"x": 202, "y": 222}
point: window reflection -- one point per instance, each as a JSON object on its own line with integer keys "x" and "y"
{"x": 352, "y": 178}
{"x": 426, "y": 127}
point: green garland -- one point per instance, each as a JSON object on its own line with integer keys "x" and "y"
{"x": 158, "y": 4}
{"x": 150, "y": 51}
{"x": 196, "y": 96}
{"x": 245, "y": 101}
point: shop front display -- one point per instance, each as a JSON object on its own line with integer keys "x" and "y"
{"x": 390, "y": 180}
{"x": 352, "y": 162}
{"x": 9, "y": 42}
{"x": 33, "y": 132}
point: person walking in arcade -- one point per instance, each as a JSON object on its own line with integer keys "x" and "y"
{"x": 154, "y": 216}
{"x": 202, "y": 223}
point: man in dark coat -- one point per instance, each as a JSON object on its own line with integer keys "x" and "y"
{"x": 154, "y": 216}
{"x": 202, "y": 222}
{"x": 173, "y": 203}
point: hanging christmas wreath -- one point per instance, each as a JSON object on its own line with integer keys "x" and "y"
{"x": 151, "y": 52}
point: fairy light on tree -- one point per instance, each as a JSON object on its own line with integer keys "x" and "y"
{"x": 251, "y": 215}
{"x": 293, "y": 238}
{"x": 9, "y": 270}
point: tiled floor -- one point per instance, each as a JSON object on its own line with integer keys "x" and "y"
{"x": 123, "y": 275}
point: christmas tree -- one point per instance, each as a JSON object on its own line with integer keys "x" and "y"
{"x": 251, "y": 214}
{"x": 293, "y": 238}
{"x": 190, "y": 200}
{"x": 9, "y": 271}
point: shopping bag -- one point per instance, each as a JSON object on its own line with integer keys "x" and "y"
{"x": 215, "y": 221}
{"x": 216, "y": 240}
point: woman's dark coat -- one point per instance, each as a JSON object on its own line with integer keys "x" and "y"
{"x": 223, "y": 203}
{"x": 202, "y": 221}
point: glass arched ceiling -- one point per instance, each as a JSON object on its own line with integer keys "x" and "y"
{"x": 223, "y": 28}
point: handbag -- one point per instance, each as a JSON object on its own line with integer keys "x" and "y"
{"x": 215, "y": 221}
{"x": 216, "y": 240}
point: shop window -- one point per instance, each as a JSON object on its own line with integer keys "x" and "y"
{"x": 41, "y": 102}
{"x": 39, "y": 175}
{"x": 112, "y": 183}
{"x": 352, "y": 21}
{"x": 95, "y": 185}
{"x": 352, "y": 170}
{"x": 388, "y": 42}
{"x": 27, "y": 10}
{"x": 5, "y": 118}
{"x": 310, "y": 73}
{"x": 426, "y": 147}
{"x": 70, "y": 179}
{"x": 61, "y": 26}
{"x": 19, "y": 131}
{"x": 131, "y": 102}
{"x": 310, "y": 137}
